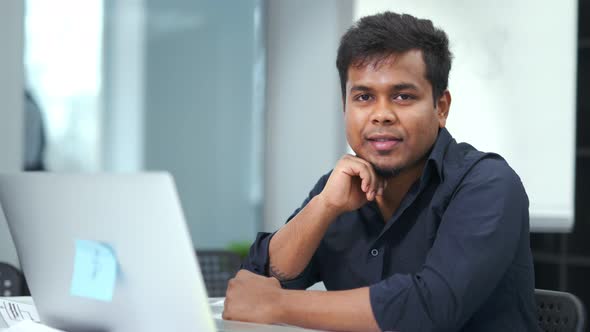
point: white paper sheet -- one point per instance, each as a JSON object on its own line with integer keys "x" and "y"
{"x": 216, "y": 305}
{"x": 30, "y": 326}
{"x": 14, "y": 312}
{"x": 216, "y": 301}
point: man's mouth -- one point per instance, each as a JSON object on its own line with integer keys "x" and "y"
{"x": 384, "y": 143}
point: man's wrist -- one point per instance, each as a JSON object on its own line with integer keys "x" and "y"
{"x": 330, "y": 211}
{"x": 279, "y": 307}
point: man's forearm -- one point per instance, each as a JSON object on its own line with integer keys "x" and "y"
{"x": 292, "y": 247}
{"x": 348, "y": 310}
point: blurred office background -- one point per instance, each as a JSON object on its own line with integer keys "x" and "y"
{"x": 240, "y": 101}
{"x": 236, "y": 98}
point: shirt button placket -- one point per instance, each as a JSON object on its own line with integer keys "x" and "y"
{"x": 374, "y": 267}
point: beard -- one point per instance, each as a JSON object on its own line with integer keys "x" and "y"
{"x": 386, "y": 173}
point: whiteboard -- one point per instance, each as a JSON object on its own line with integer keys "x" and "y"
{"x": 513, "y": 85}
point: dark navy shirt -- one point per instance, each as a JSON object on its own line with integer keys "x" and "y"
{"x": 455, "y": 256}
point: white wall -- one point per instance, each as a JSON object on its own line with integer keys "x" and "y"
{"x": 11, "y": 104}
{"x": 305, "y": 131}
{"x": 513, "y": 84}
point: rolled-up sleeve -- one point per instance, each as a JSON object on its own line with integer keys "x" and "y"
{"x": 475, "y": 244}
{"x": 258, "y": 259}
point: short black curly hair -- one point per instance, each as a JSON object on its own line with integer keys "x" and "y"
{"x": 376, "y": 37}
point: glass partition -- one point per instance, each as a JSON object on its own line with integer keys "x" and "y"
{"x": 178, "y": 86}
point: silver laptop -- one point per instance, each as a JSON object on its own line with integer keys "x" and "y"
{"x": 134, "y": 220}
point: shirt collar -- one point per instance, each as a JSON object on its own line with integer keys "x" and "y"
{"x": 435, "y": 158}
{"x": 437, "y": 154}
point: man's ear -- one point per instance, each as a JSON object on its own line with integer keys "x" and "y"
{"x": 443, "y": 104}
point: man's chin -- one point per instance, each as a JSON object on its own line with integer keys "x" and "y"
{"x": 386, "y": 172}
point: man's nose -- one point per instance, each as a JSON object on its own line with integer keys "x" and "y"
{"x": 383, "y": 114}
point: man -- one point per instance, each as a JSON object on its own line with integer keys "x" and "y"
{"x": 413, "y": 233}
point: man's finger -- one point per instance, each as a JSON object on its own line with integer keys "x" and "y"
{"x": 353, "y": 169}
{"x": 366, "y": 178}
{"x": 375, "y": 180}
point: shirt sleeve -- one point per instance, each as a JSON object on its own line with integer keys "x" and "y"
{"x": 257, "y": 260}
{"x": 475, "y": 244}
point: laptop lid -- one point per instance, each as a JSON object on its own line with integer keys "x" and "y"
{"x": 64, "y": 224}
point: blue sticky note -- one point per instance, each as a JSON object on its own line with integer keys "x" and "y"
{"x": 95, "y": 271}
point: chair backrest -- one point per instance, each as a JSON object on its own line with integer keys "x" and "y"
{"x": 12, "y": 282}
{"x": 560, "y": 311}
{"x": 217, "y": 267}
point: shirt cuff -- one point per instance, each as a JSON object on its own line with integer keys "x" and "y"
{"x": 258, "y": 258}
{"x": 258, "y": 261}
{"x": 302, "y": 281}
{"x": 390, "y": 301}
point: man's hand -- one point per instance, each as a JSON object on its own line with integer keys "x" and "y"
{"x": 252, "y": 298}
{"x": 352, "y": 183}
{"x": 258, "y": 299}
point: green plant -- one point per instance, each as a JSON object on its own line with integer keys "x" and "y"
{"x": 240, "y": 247}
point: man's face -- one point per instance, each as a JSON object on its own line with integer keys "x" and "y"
{"x": 391, "y": 120}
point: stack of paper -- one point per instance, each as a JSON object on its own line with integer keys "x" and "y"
{"x": 29, "y": 326}
{"x": 14, "y": 312}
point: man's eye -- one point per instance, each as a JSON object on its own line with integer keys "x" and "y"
{"x": 403, "y": 97}
{"x": 364, "y": 97}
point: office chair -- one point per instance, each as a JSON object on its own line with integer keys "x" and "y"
{"x": 559, "y": 311}
{"x": 12, "y": 281}
{"x": 217, "y": 267}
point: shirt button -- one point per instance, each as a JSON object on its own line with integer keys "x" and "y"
{"x": 374, "y": 252}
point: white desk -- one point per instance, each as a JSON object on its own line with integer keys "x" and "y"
{"x": 216, "y": 305}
